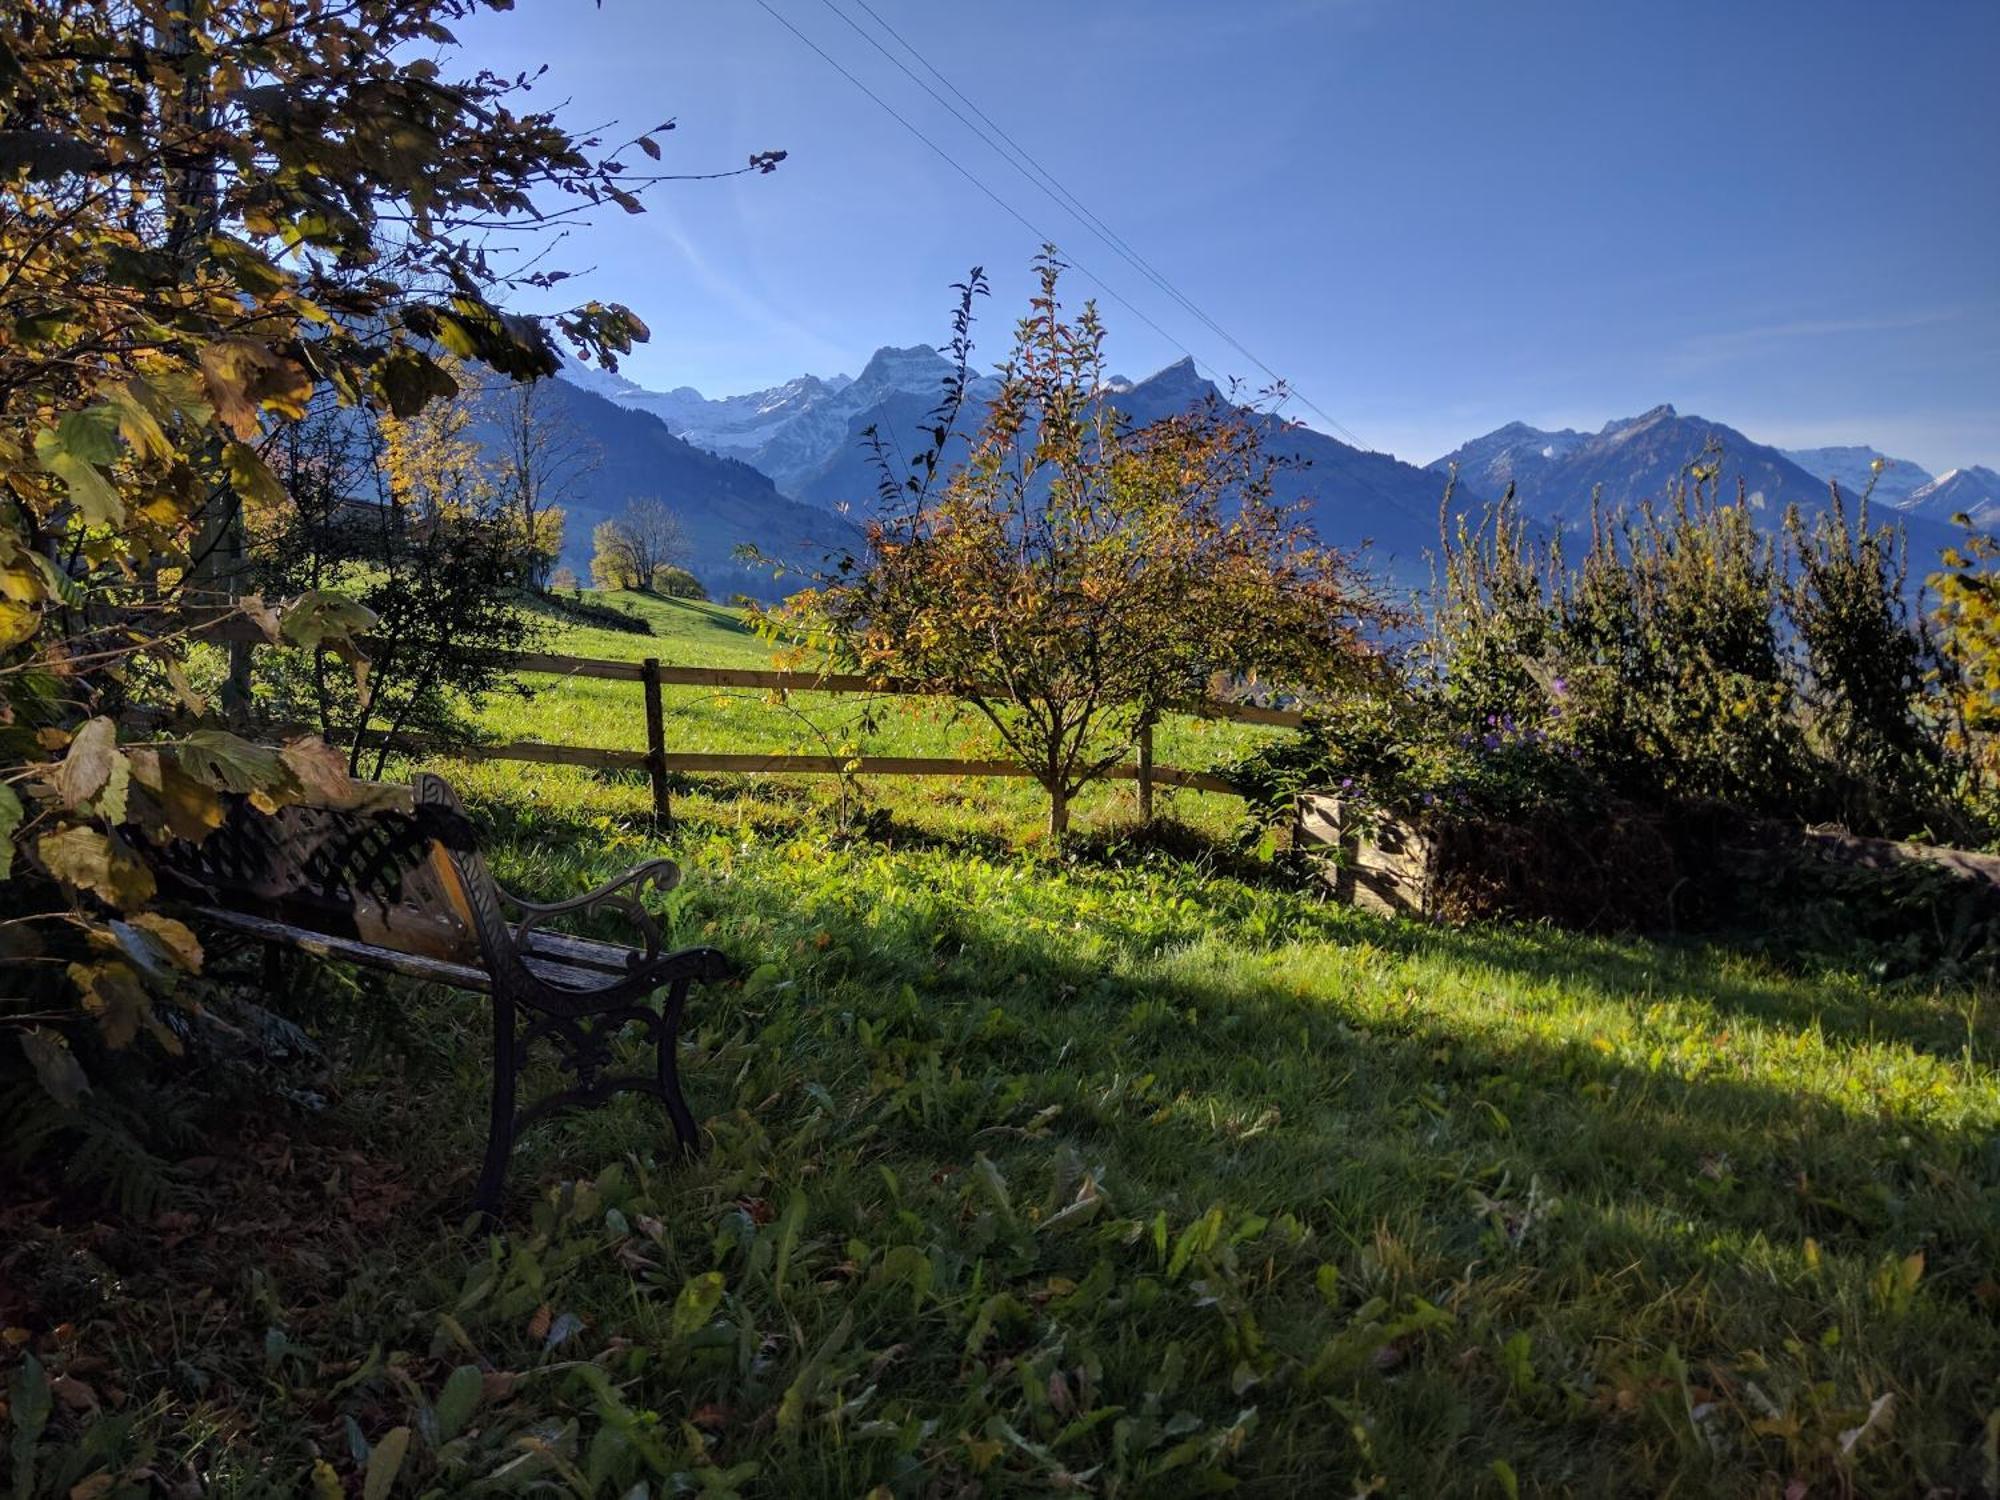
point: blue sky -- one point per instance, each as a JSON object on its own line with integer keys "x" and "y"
{"x": 1431, "y": 218}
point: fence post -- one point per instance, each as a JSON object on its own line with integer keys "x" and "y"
{"x": 656, "y": 742}
{"x": 1146, "y": 773}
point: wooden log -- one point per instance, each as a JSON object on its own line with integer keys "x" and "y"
{"x": 1879, "y": 854}
{"x": 327, "y": 945}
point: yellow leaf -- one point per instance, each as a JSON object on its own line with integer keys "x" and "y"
{"x": 251, "y": 478}
{"x": 86, "y": 860}
{"x": 189, "y": 809}
{"x": 87, "y": 767}
{"x": 244, "y": 378}
{"x": 135, "y": 405}
{"x": 18, "y": 622}
{"x": 113, "y": 994}
{"x": 180, "y": 942}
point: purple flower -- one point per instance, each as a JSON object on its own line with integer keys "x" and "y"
{"x": 1559, "y": 687}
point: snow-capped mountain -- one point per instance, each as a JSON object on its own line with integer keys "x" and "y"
{"x": 1852, "y": 467}
{"x": 722, "y": 502}
{"x": 788, "y": 430}
{"x": 1973, "y": 491}
{"x": 819, "y": 430}
{"x": 734, "y": 426}
{"x": 1355, "y": 496}
{"x": 1626, "y": 462}
{"x": 1515, "y": 454}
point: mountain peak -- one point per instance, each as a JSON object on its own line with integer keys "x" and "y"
{"x": 1972, "y": 490}
{"x": 898, "y": 368}
{"x": 1852, "y": 466}
{"x": 1664, "y": 412}
{"x": 1179, "y": 381}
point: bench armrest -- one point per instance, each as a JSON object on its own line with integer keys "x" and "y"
{"x": 621, "y": 895}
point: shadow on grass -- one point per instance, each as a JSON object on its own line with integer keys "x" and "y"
{"x": 1388, "y": 1087}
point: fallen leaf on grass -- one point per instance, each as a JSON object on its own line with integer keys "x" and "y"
{"x": 1879, "y": 1412}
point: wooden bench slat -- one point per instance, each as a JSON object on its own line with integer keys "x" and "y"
{"x": 582, "y": 953}
{"x": 569, "y": 976}
{"x": 593, "y": 965}
{"x": 350, "y": 950}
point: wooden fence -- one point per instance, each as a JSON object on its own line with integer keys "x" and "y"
{"x": 661, "y": 764}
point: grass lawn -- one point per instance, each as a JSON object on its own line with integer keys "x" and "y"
{"x": 1126, "y": 1172}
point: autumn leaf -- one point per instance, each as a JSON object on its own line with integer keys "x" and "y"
{"x": 84, "y": 859}
{"x": 174, "y": 936}
{"x": 18, "y": 622}
{"x": 229, "y": 762}
{"x": 113, "y": 994}
{"x": 243, "y": 379}
{"x": 189, "y": 809}
{"x": 11, "y": 813}
{"x": 87, "y": 766}
{"x": 251, "y": 477}
{"x": 139, "y": 412}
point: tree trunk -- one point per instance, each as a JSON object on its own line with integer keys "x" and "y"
{"x": 1058, "y": 811}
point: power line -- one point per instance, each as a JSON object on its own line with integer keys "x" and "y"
{"x": 1042, "y": 235}
{"x": 1039, "y": 176}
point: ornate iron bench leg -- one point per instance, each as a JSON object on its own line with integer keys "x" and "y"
{"x": 500, "y": 1126}
{"x": 666, "y": 1048}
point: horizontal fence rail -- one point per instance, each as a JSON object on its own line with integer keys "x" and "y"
{"x": 661, "y": 763}
{"x": 832, "y": 682}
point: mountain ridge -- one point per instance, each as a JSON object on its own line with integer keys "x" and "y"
{"x": 805, "y": 439}
{"x": 1852, "y": 467}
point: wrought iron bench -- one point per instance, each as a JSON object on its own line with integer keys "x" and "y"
{"x": 392, "y": 879}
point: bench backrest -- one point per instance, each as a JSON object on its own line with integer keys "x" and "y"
{"x": 399, "y": 868}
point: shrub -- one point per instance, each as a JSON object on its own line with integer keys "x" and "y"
{"x": 1872, "y": 673}
{"x": 1688, "y": 675}
{"x": 1688, "y": 657}
{"x": 678, "y": 583}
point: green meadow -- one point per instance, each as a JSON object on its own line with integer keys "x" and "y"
{"x": 611, "y": 715}
{"x": 1133, "y": 1168}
